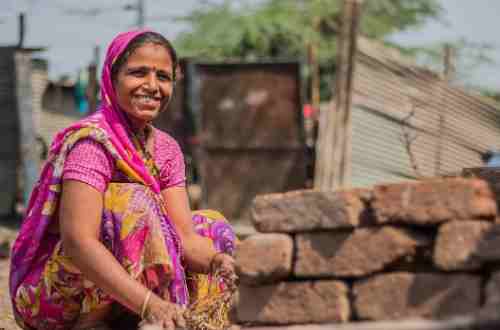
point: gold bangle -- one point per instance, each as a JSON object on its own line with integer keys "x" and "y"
{"x": 145, "y": 304}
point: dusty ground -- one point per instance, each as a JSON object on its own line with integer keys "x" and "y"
{"x": 6, "y": 320}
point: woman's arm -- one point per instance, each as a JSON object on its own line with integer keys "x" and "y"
{"x": 198, "y": 250}
{"x": 80, "y": 221}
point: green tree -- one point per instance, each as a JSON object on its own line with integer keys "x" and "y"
{"x": 282, "y": 29}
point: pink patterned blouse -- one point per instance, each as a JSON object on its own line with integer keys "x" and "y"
{"x": 89, "y": 162}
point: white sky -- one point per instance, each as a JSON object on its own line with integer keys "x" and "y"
{"x": 70, "y": 38}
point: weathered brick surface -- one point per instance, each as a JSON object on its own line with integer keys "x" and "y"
{"x": 406, "y": 295}
{"x": 488, "y": 249}
{"x": 492, "y": 290}
{"x": 294, "y": 302}
{"x": 263, "y": 258}
{"x": 434, "y": 201}
{"x": 457, "y": 244}
{"x": 353, "y": 254}
{"x": 306, "y": 210}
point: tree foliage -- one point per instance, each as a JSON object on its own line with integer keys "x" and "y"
{"x": 282, "y": 28}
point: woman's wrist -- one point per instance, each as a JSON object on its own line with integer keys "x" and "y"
{"x": 145, "y": 304}
{"x": 213, "y": 260}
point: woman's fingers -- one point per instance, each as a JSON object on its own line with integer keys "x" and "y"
{"x": 168, "y": 324}
{"x": 179, "y": 317}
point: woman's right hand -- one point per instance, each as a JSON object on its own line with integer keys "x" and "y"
{"x": 167, "y": 315}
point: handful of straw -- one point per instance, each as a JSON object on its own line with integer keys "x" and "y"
{"x": 211, "y": 312}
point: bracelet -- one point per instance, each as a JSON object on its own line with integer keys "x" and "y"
{"x": 145, "y": 304}
{"x": 211, "y": 266}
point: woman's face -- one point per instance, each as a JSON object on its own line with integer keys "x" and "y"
{"x": 144, "y": 84}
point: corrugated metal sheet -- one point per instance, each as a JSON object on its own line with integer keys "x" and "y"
{"x": 39, "y": 81}
{"x": 450, "y": 127}
{"x": 9, "y": 155}
{"x": 24, "y": 93}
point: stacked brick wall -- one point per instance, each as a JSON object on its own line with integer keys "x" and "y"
{"x": 425, "y": 249}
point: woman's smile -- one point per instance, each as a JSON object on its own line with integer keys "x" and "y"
{"x": 146, "y": 102}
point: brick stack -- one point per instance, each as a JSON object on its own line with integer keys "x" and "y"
{"x": 419, "y": 249}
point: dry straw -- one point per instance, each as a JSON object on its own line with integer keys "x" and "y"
{"x": 211, "y": 312}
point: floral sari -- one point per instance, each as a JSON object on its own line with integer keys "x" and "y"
{"x": 47, "y": 290}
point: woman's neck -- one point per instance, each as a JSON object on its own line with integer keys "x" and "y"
{"x": 139, "y": 128}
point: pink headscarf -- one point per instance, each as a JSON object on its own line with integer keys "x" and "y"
{"x": 31, "y": 245}
{"x": 114, "y": 119}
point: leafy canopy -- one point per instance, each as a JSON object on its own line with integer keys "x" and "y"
{"x": 283, "y": 28}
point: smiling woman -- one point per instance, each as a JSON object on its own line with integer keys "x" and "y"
{"x": 109, "y": 224}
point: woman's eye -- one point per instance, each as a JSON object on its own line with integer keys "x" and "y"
{"x": 164, "y": 77}
{"x": 137, "y": 73}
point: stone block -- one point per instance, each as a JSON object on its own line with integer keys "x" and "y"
{"x": 488, "y": 249}
{"x": 457, "y": 244}
{"x": 310, "y": 210}
{"x": 264, "y": 258}
{"x": 294, "y": 303}
{"x": 492, "y": 290}
{"x": 434, "y": 201}
{"x": 405, "y": 295}
{"x": 354, "y": 254}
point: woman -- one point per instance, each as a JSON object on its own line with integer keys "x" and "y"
{"x": 109, "y": 221}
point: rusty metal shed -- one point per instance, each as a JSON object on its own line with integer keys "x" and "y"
{"x": 242, "y": 124}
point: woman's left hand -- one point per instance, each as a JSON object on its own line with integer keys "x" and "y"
{"x": 224, "y": 264}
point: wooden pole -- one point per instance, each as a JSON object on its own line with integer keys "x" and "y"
{"x": 22, "y": 30}
{"x": 334, "y": 144}
{"x": 93, "y": 85}
{"x": 140, "y": 14}
{"x": 314, "y": 67}
{"x": 448, "y": 73}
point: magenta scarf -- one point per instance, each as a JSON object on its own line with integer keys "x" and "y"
{"x": 108, "y": 126}
{"x": 115, "y": 124}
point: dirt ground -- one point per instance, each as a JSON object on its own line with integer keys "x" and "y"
{"x": 6, "y": 320}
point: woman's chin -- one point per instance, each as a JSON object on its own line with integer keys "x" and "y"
{"x": 144, "y": 116}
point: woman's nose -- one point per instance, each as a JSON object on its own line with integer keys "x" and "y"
{"x": 151, "y": 82}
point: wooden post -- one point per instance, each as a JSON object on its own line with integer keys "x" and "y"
{"x": 92, "y": 87}
{"x": 22, "y": 30}
{"x": 314, "y": 67}
{"x": 448, "y": 73}
{"x": 140, "y": 14}
{"x": 333, "y": 164}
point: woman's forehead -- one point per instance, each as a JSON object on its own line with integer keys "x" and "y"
{"x": 150, "y": 53}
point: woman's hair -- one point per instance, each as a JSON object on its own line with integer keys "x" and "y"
{"x": 139, "y": 41}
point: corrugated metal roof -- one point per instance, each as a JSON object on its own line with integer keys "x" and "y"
{"x": 450, "y": 127}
